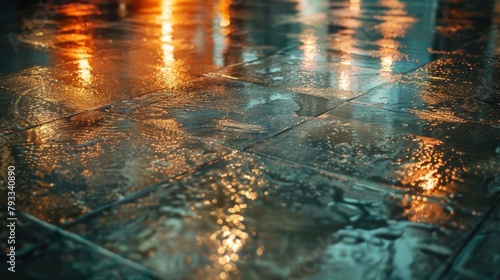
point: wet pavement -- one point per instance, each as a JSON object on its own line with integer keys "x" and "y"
{"x": 236, "y": 139}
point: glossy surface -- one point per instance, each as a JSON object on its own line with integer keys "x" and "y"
{"x": 481, "y": 251}
{"x": 70, "y": 167}
{"x": 436, "y": 158}
{"x": 238, "y": 139}
{"x": 247, "y": 216}
{"x": 235, "y": 113}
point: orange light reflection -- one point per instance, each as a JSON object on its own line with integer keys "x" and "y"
{"x": 169, "y": 72}
{"x": 429, "y": 173}
{"x": 224, "y": 12}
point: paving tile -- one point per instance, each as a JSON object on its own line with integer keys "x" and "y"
{"x": 387, "y": 61}
{"x": 175, "y": 60}
{"x": 116, "y": 78}
{"x": 374, "y": 35}
{"x": 326, "y": 79}
{"x": 93, "y": 83}
{"x": 427, "y": 157}
{"x": 480, "y": 258}
{"x": 462, "y": 69}
{"x": 458, "y": 88}
{"x": 236, "y": 113}
{"x": 73, "y": 166}
{"x": 25, "y": 110}
{"x": 64, "y": 258}
{"x": 434, "y": 99}
{"x": 393, "y": 37}
{"x": 72, "y": 99}
{"x": 195, "y": 44}
{"x": 254, "y": 218}
{"x": 28, "y": 79}
{"x": 129, "y": 106}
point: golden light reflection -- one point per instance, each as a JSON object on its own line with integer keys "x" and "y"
{"x": 419, "y": 209}
{"x": 424, "y": 172}
{"x": 395, "y": 24}
{"x": 346, "y": 45}
{"x": 355, "y": 5}
{"x": 75, "y": 35}
{"x": 225, "y": 12}
{"x": 231, "y": 237}
{"x": 122, "y": 9}
{"x": 78, "y": 9}
{"x": 433, "y": 96}
{"x": 169, "y": 72}
{"x": 386, "y": 63}
{"x": 388, "y": 54}
{"x": 344, "y": 81}
{"x": 310, "y": 48}
{"x": 84, "y": 71}
{"x": 309, "y": 36}
{"x": 235, "y": 189}
{"x": 429, "y": 172}
{"x": 395, "y": 20}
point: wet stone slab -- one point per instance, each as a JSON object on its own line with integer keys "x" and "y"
{"x": 436, "y": 99}
{"x": 28, "y": 79}
{"x": 236, "y": 113}
{"x": 250, "y": 217}
{"x": 184, "y": 61}
{"x": 374, "y": 35}
{"x": 396, "y": 184}
{"x": 368, "y": 55}
{"x": 426, "y": 157}
{"x": 480, "y": 258}
{"x": 94, "y": 82}
{"x": 70, "y": 167}
{"x": 333, "y": 80}
{"x": 64, "y": 258}
{"x": 463, "y": 69}
{"x": 24, "y": 110}
{"x": 238, "y": 39}
{"x": 394, "y": 37}
{"x": 117, "y": 79}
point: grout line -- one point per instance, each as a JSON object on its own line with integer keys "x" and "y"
{"x": 442, "y": 272}
{"x": 101, "y": 250}
{"x": 321, "y": 171}
{"x": 312, "y": 118}
{"x": 387, "y": 186}
{"x": 134, "y": 195}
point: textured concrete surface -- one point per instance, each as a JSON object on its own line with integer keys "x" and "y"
{"x": 238, "y": 139}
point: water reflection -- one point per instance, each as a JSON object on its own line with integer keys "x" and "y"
{"x": 395, "y": 24}
{"x": 376, "y": 35}
{"x": 355, "y": 5}
{"x": 225, "y": 12}
{"x": 167, "y": 22}
{"x": 430, "y": 168}
{"x": 74, "y": 35}
{"x": 77, "y": 165}
{"x": 228, "y": 200}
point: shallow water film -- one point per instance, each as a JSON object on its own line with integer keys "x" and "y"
{"x": 250, "y": 139}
